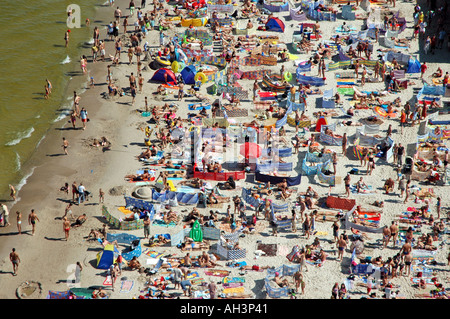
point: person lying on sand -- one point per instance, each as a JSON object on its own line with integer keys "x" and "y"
{"x": 134, "y": 263}
{"x": 280, "y": 281}
{"x": 138, "y": 177}
{"x": 80, "y": 220}
{"x": 216, "y": 199}
{"x": 195, "y": 183}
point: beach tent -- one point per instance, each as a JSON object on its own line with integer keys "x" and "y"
{"x": 188, "y": 74}
{"x": 413, "y": 66}
{"x": 275, "y": 24}
{"x": 321, "y": 121}
{"x": 107, "y": 257}
{"x": 164, "y": 75}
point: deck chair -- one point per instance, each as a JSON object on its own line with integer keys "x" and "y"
{"x": 157, "y": 266}
{"x": 327, "y": 100}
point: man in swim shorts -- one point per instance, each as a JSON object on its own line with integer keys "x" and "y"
{"x": 15, "y": 260}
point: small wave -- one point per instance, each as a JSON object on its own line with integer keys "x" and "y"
{"x": 23, "y": 181}
{"x": 21, "y": 137}
{"x": 91, "y": 41}
{"x": 66, "y": 60}
{"x": 61, "y": 116}
{"x": 18, "y": 166}
{"x": 39, "y": 143}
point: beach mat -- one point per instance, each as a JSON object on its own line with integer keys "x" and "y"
{"x": 234, "y": 291}
{"x": 269, "y": 249}
{"x": 126, "y": 286}
{"x": 345, "y": 91}
{"x": 217, "y": 272}
{"x": 228, "y": 280}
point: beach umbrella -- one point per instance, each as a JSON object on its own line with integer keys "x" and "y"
{"x": 250, "y": 150}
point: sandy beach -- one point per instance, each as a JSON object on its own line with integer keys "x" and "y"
{"x": 48, "y": 259}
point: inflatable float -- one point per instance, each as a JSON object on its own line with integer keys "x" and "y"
{"x": 200, "y": 22}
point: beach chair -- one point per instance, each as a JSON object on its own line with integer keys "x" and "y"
{"x": 327, "y": 100}
{"x": 157, "y": 266}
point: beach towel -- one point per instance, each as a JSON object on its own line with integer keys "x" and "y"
{"x": 124, "y": 210}
{"x": 197, "y": 281}
{"x": 192, "y": 275}
{"x": 366, "y": 191}
{"x": 268, "y": 249}
{"x": 217, "y": 272}
{"x": 152, "y": 253}
{"x": 233, "y": 285}
{"x": 126, "y": 286}
{"x": 345, "y": 91}
{"x": 234, "y": 291}
{"x": 198, "y": 107}
{"x": 283, "y": 250}
{"x": 108, "y": 281}
{"x": 228, "y": 280}
{"x": 428, "y": 281}
{"x": 160, "y": 222}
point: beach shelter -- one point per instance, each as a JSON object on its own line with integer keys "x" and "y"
{"x": 107, "y": 257}
{"x": 250, "y": 150}
{"x": 275, "y": 24}
{"x": 164, "y": 75}
{"x": 196, "y": 232}
{"x": 188, "y": 74}
{"x": 321, "y": 121}
{"x": 413, "y": 66}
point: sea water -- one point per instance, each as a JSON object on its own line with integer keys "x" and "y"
{"x": 33, "y": 50}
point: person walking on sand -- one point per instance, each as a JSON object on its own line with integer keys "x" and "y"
{"x": 84, "y": 117}
{"x": 423, "y": 69}
{"x": 73, "y": 118}
{"x": 66, "y": 227}
{"x": 101, "y": 196}
{"x": 344, "y": 143}
{"x": 386, "y": 236}
{"x": 5, "y": 213}
{"x": 299, "y": 281}
{"x": 81, "y": 196}
{"x": 32, "y": 218}
{"x": 341, "y": 245}
{"x": 19, "y": 222}
{"x": 78, "y": 269}
{"x": 15, "y": 260}
{"x": 68, "y": 211}
{"x": 65, "y": 145}
{"x": 74, "y": 191}
{"x": 394, "y": 233}
{"x": 347, "y": 184}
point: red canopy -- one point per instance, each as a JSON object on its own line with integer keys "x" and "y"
{"x": 250, "y": 150}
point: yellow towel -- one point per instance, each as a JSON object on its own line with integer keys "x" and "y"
{"x": 125, "y": 211}
{"x": 230, "y": 291}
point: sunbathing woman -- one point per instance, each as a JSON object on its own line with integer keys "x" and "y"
{"x": 138, "y": 177}
{"x": 195, "y": 183}
{"x": 215, "y": 199}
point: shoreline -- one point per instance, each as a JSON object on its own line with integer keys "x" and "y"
{"x": 43, "y": 165}
{"x": 47, "y": 258}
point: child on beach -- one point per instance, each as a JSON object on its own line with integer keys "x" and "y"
{"x": 101, "y": 196}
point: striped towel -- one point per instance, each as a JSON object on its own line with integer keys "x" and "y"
{"x": 126, "y": 286}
